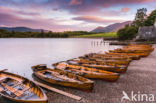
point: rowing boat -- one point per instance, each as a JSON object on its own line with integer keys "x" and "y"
{"x": 129, "y": 51}
{"x": 140, "y": 45}
{"x": 129, "y": 57}
{"x": 108, "y": 57}
{"x": 138, "y": 48}
{"x": 99, "y": 65}
{"x": 63, "y": 78}
{"x": 19, "y": 89}
{"x": 135, "y": 55}
{"x": 120, "y": 62}
{"x": 88, "y": 72}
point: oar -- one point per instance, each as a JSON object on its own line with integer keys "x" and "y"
{"x": 58, "y": 91}
{"x": 3, "y": 70}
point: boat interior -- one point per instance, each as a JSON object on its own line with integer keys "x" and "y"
{"x": 19, "y": 88}
{"x": 61, "y": 76}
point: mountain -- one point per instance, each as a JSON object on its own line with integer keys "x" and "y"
{"x": 111, "y": 28}
{"x": 22, "y": 29}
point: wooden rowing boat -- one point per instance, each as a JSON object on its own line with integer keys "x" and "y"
{"x": 120, "y": 62}
{"x": 135, "y": 55}
{"x": 140, "y": 45}
{"x": 99, "y": 65}
{"x": 129, "y": 57}
{"x": 89, "y": 61}
{"x": 138, "y": 48}
{"x": 63, "y": 78}
{"x": 88, "y": 72}
{"x": 108, "y": 57}
{"x": 129, "y": 51}
{"x": 19, "y": 89}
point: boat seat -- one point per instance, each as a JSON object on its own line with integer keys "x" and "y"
{"x": 19, "y": 93}
{"x": 2, "y": 79}
{"x": 17, "y": 84}
{"x": 1, "y": 89}
{"x": 15, "y": 91}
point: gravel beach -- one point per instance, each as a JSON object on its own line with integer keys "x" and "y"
{"x": 140, "y": 77}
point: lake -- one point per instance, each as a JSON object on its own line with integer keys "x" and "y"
{"x": 18, "y": 55}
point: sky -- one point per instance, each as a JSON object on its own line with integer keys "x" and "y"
{"x": 69, "y": 15}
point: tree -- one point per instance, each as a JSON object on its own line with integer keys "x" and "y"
{"x": 42, "y": 33}
{"x": 3, "y": 31}
{"x": 151, "y": 19}
{"x": 127, "y": 33}
{"x": 140, "y": 17}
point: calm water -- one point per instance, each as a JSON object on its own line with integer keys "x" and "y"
{"x": 18, "y": 55}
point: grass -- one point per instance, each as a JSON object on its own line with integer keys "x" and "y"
{"x": 98, "y": 35}
{"x": 150, "y": 42}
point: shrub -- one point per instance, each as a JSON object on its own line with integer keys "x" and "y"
{"x": 127, "y": 33}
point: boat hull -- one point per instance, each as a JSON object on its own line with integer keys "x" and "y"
{"x": 91, "y": 73}
{"x": 84, "y": 87}
{"x": 86, "y": 84}
{"x": 113, "y": 69}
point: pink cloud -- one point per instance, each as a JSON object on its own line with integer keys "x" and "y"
{"x": 75, "y": 2}
{"x": 17, "y": 12}
{"x": 125, "y": 9}
{"x": 11, "y": 19}
{"x": 94, "y": 6}
{"x": 94, "y": 19}
{"x": 55, "y": 9}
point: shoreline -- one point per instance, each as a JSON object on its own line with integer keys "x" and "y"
{"x": 140, "y": 77}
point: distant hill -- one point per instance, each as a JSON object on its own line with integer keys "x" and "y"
{"x": 22, "y": 29}
{"x": 111, "y": 28}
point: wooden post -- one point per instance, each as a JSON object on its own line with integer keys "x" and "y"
{"x": 58, "y": 91}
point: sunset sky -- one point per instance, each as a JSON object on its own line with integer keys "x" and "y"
{"x": 64, "y": 15}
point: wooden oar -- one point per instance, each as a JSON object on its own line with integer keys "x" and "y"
{"x": 3, "y": 70}
{"x": 59, "y": 91}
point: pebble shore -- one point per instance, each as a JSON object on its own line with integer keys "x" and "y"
{"x": 140, "y": 77}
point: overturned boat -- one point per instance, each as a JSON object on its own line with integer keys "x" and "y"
{"x": 19, "y": 89}
{"x": 63, "y": 78}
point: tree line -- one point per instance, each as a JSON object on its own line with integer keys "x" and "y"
{"x": 141, "y": 19}
{"x": 42, "y": 34}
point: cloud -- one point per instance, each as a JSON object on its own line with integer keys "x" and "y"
{"x": 125, "y": 9}
{"x": 8, "y": 19}
{"x": 76, "y": 7}
{"x": 38, "y": 13}
{"x": 17, "y": 12}
{"x": 13, "y": 20}
{"x": 94, "y": 19}
{"x": 75, "y": 2}
{"x": 55, "y": 9}
{"x": 94, "y": 6}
